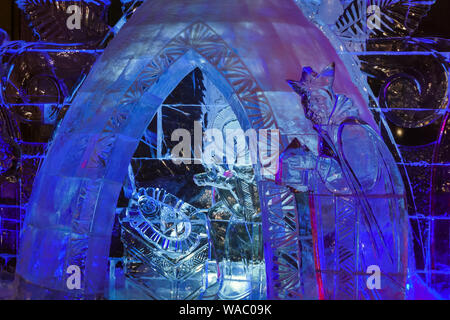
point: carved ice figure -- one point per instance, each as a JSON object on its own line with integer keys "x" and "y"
{"x": 356, "y": 196}
{"x": 235, "y": 217}
{"x": 166, "y": 244}
{"x": 236, "y": 231}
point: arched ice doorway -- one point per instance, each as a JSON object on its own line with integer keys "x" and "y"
{"x": 111, "y": 149}
{"x": 70, "y": 218}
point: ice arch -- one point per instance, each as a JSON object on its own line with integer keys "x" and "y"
{"x": 247, "y": 47}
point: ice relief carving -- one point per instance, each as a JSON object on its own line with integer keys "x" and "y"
{"x": 356, "y": 195}
{"x": 235, "y": 217}
{"x": 166, "y": 244}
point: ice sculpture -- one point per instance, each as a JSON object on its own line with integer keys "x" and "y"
{"x": 166, "y": 244}
{"x": 235, "y": 217}
{"x": 71, "y": 223}
{"x": 236, "y": 232}
{"x": 409, "y": 79}
{"x": 356, "y": 195}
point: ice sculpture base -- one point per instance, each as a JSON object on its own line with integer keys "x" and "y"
{"x": 242, "y": 281}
